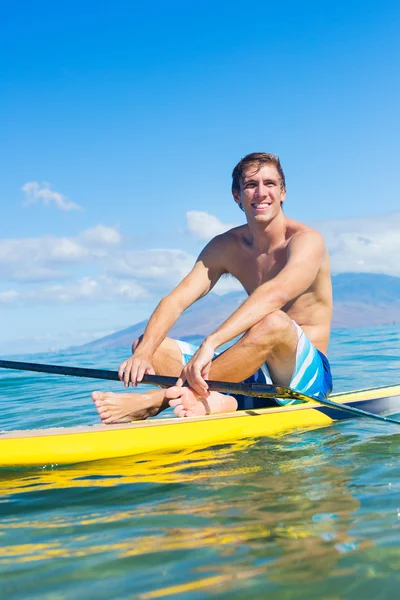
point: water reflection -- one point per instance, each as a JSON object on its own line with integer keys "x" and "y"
{"x": 252, "y": 516}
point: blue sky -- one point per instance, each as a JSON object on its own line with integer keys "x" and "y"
{"x": 121, "y": 123}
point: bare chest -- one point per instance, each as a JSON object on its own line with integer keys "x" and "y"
{"x": 252, "y": 269}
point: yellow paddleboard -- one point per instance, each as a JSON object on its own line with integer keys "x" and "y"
{"x": 58, "y": 446}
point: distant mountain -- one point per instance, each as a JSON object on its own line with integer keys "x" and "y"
{"x": 366, "y": 287}
{"x": 360, "y": 299}
{"x": 198, "y": 320}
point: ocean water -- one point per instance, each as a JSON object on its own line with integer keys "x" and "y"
{"x": 311, "y": 514}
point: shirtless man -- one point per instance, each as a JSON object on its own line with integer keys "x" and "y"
{"x": 285, "y": 322}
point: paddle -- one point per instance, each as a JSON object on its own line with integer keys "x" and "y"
{"x": 244, "y": 389}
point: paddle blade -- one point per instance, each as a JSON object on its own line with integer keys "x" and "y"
{"x": 358, "y": 412}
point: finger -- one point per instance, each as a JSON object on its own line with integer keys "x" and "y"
{"x": 198, "y": 390}
{"x": 198, "y": 383}
{"x": 140, "y": 372}
{"x": 121, "y": 369}
{"x": 127, "y": 374}
{"x": 206, "y": 371}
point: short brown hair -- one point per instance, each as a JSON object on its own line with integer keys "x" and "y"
{"x": 258, "y": 159}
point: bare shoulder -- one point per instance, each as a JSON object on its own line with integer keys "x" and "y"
{"x": 299, "y": 234}
{"x": 228, "y": 239}
{"x": 220, "y": 250}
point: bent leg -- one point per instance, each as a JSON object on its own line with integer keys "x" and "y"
{"x": 273, "y": 340}
{"x": 290, "y": 359}
{"x": 167, "y": 359}
{"x": 312, "y": 374}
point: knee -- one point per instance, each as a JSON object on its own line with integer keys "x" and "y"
{"x": 136, "y": 344}
{"x": 167, "y": 344}
{"x": 274, "y": 326}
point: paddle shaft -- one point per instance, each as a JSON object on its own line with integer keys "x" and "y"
{"x": 160, "y": 380}
{"x": 244, "y": 389}
{"x": 60, "y": 370}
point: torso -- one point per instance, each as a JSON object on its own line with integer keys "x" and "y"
{"x": 312, "y": 310}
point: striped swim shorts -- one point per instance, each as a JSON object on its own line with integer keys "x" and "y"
{"x": 311, "y": 376}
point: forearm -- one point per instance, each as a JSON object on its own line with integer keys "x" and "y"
{"x": 163, "y": 318}
{"x": 260, "y": 304}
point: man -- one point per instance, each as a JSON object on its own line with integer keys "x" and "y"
{"x": 284, "y": 323}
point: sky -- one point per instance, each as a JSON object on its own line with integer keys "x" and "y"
{"x": 121, "y": 123}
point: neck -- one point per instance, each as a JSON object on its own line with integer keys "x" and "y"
{"x": 266, "y": 236}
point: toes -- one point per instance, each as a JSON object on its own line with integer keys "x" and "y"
{"x": 180, "y": 411}
{"x": 100, "y": 397}
{"x": 175, "y": 402}
{"x": 108, "y": 420}
{"x": 174, "y": 392}
{"x": 187, "y": 394}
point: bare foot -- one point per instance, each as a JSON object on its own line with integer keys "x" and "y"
{"x": 188, "y": 404}
{"x": 127, "y": 407}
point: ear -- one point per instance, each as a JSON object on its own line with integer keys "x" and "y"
{"x": 283, "y": 196}
{"x": 236, "y": 196}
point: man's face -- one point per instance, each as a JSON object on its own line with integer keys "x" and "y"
{"x": 260, "y": 193}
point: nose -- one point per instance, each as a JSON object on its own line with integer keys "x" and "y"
{"x": 260, "y": 191}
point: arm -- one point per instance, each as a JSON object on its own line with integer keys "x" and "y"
{"x": 305, "y": 253}
{"x": 202, "y": 278}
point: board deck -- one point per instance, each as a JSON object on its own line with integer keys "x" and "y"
{"x": 70, "y": 445}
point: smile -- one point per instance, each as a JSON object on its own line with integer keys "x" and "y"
{"x": 261, "y": 205}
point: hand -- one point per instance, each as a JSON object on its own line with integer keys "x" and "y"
{"x": 198, "y": 368}
{"x": 133, "y": 369}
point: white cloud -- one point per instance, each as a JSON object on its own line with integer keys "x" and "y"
{"x": 160, "y": 265}
{"x": 34, "y": 274}
{"x": 86, "y": 289}
{"x": 94, "y": 267}
{"x": 37, "y": 262}
{"x": 204, "y": 226}
{"x": 365, "y": 244}
{"x": 226, "y": 285}
{"x": 45, "y": 258}
{"x": 64, "y": 250}
{"x": 36, "y": 192}
{"x": 101, "y": 236}
{"x": 9, "y": 297}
